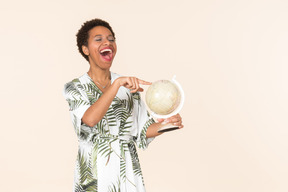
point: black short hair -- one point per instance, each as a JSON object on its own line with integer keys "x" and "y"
{"x": 83, "y": 33}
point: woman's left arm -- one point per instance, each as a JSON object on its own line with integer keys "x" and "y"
{"x": 152, "y": 130}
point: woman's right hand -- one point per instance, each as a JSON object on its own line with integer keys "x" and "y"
{"x": 132, "y": 83}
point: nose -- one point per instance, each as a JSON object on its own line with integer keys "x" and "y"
{"x": 107, "y": 42}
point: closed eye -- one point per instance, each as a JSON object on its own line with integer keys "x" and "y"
{"x": 112, "y": 39}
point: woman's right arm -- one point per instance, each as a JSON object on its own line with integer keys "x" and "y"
{"x": 97, "y": 111}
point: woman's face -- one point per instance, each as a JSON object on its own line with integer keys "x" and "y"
{"x": 101, "y": 48}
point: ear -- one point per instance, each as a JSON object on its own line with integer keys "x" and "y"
{"x": 85, "y": 50}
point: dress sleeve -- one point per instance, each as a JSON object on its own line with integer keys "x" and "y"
{"x": 78, "y": 104}
{"x": 144, "y": 121}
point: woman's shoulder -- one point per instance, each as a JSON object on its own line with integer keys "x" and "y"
{"x": 72, "y": 85}
{"x": 76, "y": 80}
{"x": 70, "y": 89}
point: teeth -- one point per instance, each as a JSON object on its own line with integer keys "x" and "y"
{"x": 104, "y": 50}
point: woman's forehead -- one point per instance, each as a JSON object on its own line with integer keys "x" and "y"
{"x": 100, "y": 31}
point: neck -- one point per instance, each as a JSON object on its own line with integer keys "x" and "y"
{"x": 99, "y": 75}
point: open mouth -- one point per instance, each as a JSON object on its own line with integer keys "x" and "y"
{"x": 106, "y": 54}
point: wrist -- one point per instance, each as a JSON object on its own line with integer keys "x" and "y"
{"x": 116, "y": 83}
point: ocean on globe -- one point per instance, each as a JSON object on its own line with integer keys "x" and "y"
{"x": 163, "y": 97}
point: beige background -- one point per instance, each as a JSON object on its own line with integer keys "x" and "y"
{"x": 229, "y": 56}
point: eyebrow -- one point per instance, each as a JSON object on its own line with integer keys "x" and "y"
{"x": 101, "y": 35}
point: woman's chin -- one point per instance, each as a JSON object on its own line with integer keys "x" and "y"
{"x": 106, "y": 65}
{"x": 102, "y": 63}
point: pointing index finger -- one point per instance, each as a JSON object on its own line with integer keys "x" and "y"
{"x": 144, "y": 82}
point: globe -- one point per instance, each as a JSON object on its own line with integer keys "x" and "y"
{"x": 165, "y": 98}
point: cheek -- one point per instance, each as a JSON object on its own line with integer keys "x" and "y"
{"x": 93, "y": 46}
{"x": 115, "y": 47}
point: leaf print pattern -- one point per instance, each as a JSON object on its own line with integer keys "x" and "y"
{"x": 107, "y": 159}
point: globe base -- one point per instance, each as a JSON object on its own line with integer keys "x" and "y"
{"x": 167, "y": 127}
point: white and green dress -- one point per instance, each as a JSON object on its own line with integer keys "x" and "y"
{"x": 107, "y": 159}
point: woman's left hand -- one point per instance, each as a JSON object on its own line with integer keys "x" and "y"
{"x": 175, "y": 120}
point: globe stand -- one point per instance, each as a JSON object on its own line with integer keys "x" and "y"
{"x": 165, "y": 127}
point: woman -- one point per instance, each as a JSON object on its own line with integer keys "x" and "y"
{"x": 109, "y": 117}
